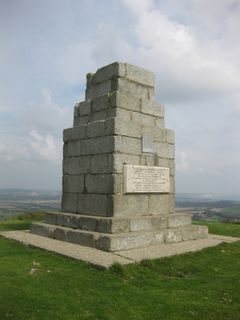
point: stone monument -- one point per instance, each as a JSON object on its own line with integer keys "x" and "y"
{"x": 119, "y": 168}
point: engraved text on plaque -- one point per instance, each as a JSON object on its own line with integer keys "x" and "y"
{"x": 146, "y": 179}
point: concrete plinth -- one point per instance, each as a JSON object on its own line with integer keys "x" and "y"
{"x": 104, "y": 259}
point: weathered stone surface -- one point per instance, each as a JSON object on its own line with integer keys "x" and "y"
{"x": 76, "y": 165}
{"x": 195, "y": 232}
{"x": 129, "y": 241}
{"x": 172, "y": 167}
{"x": 160, "y": 122}
{"x": 165, "y": 150}
{"x": 123, "y": 127}
{"x": 101, "y": 103}
{"x": 117, "y": 160}
{"x": 121, "y": 240}
{"x": 97, "y": 145}
{"x": 159, "y": 222}
{"x": 159, "y": 204}
{"x": 171, "y": 203}
{"x": 99, "y": 89}
{"x": 60, "y": 233}
{"x": 148, "y": 223}
{"x": 125, "y": 100}
{"x": 107, "y": 224}
{"x": 85, "y": 222}
{"x": 113, "y": 225}
{"x": 73, "y": 183}
{"x": 99, "y": 183}
{"x": 96, "y": 116}
{"x": 140, "y": 75}
{"x": 172, "y": 185}
{"x": 123, "y": 85}
{"x": 72, "y": 149}
{"x": 118, "y": 184}
{"x": 122, "y": 70}
{"x": 140, "y": 224}
{"x": 51, "y": 217}
{"x": 148, "y": 160}
{"x": 144, "y": 120}
{"x": 100, "y": 164}
{"x": 42, "y": 229}
{"x": 70, "y": 202}
{"x": 121, "y": 114}
{"x": 108, "y": 72}
{"x": 119, "y": 124}
{"x": 85, "y": 239}
{"x": 76, "y": 133}
{"x": 130, "y": 205}
{"x": 170, "y": 136}
{"x": 152, "y": 134}
{"x": 96, "y": 129}
{"x": 78, "y": 121}
{"x": 66, "y": 220}
{"x": 120, "y": 225}
{"x": 162, "y": 162}
{"x": 147, "y": 144}
{"x": 173, "y": 236}
{"x": 150, "y": 106}
{"x": 128, "y": 145}
{"x": 94, "y": 204}
{"x": 82, "y": 108}
{"x": 179, "y": 220}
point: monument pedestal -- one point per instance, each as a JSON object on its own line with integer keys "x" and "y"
{"x": 115, "y": 234}
{"x": 119, "y": 168}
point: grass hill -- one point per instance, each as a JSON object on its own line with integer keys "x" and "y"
{"x": 36, "y": 284}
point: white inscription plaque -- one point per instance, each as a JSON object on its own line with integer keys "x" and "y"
{"x": 146, "y": 179}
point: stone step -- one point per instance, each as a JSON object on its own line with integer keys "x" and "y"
{"x": 117, "y": 225}
{"x": 87, "y": 222}
{"x": 120, "y": 241}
